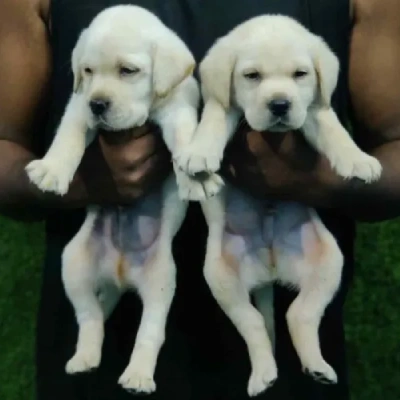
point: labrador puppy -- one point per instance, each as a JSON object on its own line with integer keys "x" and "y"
{"x": 128, "y": 68}
{"x": 278, "y": 76}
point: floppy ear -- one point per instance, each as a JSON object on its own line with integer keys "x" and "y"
{"x": 327, "y": 67}
{"x": 216, "y": 72}
{"x": 77, "y": 53}
{"x": 172, "y": 63}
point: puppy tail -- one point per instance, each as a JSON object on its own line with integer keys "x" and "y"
{"x": 264, "y": 301}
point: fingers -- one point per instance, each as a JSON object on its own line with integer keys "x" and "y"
{"x": 124, "y": 136}
{"x": 122, "y": 170}
{"x": 145, "y": 177}
{"x": 131, "y": 153}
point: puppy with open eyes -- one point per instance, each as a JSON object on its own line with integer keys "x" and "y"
{"x": 128, "y": 68}
{"x": 280, "y": 77}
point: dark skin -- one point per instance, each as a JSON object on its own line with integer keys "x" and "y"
{"x": 280, "y": 167}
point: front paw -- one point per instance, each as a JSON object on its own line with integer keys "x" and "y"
{"x": 48, "y": 176}
{"x": 357, "y": 164}
{"x": 197, "y": 158}
{"x": 197, "y": 189}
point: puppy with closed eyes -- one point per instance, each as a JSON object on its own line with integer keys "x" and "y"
{"x": 280, "y": 77}
{"x": 128, "y": 68}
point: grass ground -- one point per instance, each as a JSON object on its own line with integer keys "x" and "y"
{"x": 373, "y": 311}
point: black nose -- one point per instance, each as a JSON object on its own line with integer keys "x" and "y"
{"x": 279, "y": 107}
{"x": 99, "y": 106}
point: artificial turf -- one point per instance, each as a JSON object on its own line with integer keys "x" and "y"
{"x": 372, "y": 313}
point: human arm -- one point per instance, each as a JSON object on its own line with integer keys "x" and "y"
{"x": 286, "y": 167}
{"x": 24, "y": 75}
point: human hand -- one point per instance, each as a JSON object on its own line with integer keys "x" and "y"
{"x": 280, "y": 166}
{"x": 120, "y": 167}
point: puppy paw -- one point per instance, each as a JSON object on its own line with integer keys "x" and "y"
{"x": 213, "y": 185}
{"x": 48, "y": 176}
{"x": 83, "y": 361}
{"x": 358, "y": 165}
{"x": 367, "y": 168}
{"x": 262, "y": 378}
{"x": 137, "y": 382}
{"x": 199, "y": 158}
{"x": 197, "y": 189}
{"x": 321, "y": 372}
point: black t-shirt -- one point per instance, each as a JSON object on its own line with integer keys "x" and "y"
{"x": 203, "y": 357}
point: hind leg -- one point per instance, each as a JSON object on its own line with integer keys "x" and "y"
{"x": 234, "y": 299}
{"x": 156, "y": 289}
{"x": 79, "y": 277}
{"x": 221, "y": 271}
{"x": 264, "y": 299}
{"x": 307, "y": 257}
{"x": 109, "y": 297}
{"x": 304, "y": 317}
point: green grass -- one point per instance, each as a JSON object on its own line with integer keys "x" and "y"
{"x": 373, "y": 311}
{"x": 21, "y": 255}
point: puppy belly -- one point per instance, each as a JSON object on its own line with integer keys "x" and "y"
{"x": 126, "y": 240}
{"x": 248, "y": 238}
{"x": 272, "y": 241}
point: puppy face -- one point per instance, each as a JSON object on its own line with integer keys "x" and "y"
{"x": 274, "y": 83}
{"x": 123, "y": 62}
{"x": 273, "y": 69}
{"x": 116, "y": 79}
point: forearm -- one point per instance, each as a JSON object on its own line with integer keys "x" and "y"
{"x": 20, "y": 199}
{"x": 370, "y": 202}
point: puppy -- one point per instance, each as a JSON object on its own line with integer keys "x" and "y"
{"x": 278, "y": 76}
{"x": 128, "y": 68}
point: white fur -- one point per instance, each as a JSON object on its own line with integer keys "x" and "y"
{"x": 249, "y": 247}
{"x": 98, "y": 265}
{"x": 274, "y": 47}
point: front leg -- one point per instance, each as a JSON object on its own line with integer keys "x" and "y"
{"x": 196, "y": 189}
{"x": 326, "y": 134}
{"x": 55, "y": 171}
{"x": 178, "y": 121}
{"x": 206, "y": 150}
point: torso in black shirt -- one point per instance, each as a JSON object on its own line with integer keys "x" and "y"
{"x": 203, "y": 357}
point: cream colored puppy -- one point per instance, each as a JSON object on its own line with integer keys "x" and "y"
{"x": 128, "y": 68}
{"x": 280, "y": 77}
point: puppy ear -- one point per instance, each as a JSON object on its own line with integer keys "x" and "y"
{"x": 77, "y": 53}
{"x": 327, "y": 67}
{"x": 172, "y": 63}
{"x": 216, "y": 72}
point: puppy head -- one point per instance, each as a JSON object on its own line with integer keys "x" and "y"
{"x": 121, "y": 66}
{"x": 274, "y": 84}
{"x": 273, "y": 69}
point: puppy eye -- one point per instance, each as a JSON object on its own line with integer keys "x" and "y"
{"x": 299, "y": 74}
{"x": 128, "y": 71}
{"x": 88, "y": 71}
{"x": 252, "y": 76}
